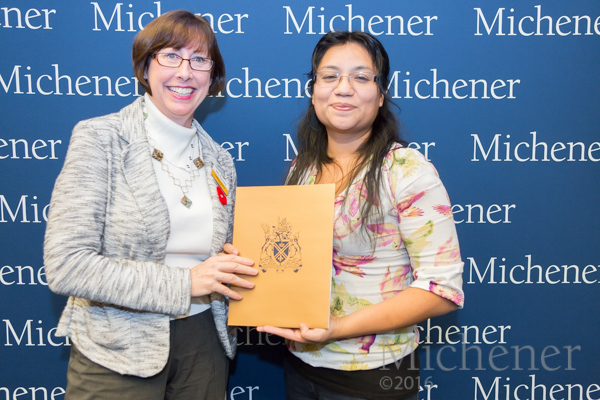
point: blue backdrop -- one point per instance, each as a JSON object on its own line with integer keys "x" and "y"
{"x": 502, "y": 96}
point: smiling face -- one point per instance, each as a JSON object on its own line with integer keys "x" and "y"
{"x": 347, "y": 109}
{"x": 177, "y": 92}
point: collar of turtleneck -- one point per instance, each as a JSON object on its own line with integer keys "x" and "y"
{"x": 172, "y": 139}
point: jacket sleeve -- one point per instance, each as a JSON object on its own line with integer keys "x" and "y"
{"x": 232, "y": 209}
{"x": 75, "y": 262}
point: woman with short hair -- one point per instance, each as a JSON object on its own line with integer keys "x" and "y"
{"x": 140, "y": 216}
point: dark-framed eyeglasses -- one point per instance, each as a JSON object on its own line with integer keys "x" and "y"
{"x": 173, "y": 60}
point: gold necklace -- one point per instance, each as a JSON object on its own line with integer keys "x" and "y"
{"x": 159, "y": 156}
{"x": 187, "y": 183}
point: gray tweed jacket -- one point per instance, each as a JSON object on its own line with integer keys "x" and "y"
{"x": 105, "y": 245}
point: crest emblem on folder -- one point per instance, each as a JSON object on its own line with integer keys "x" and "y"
{"x": 281, "y": 249}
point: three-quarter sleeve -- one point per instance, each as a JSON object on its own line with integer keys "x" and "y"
{"x": 426, "y": 225}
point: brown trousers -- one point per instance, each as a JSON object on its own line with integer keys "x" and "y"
{"x": 197, "y": 369}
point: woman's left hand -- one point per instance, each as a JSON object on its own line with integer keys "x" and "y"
{"x": 304, "y": 334}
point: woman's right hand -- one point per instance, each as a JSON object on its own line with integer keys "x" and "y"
{"x": 214, "y": 274}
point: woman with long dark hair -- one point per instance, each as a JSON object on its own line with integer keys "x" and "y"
{"x": 396, "y": 259}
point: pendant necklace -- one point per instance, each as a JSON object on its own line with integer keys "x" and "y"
{"x": 193, "y": 164}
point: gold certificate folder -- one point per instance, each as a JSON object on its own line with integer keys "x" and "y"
{"x": 288, "y": 232}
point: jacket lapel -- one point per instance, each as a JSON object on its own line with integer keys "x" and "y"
{"x": 139, "y": 173}
{"x": 220, "y": 211}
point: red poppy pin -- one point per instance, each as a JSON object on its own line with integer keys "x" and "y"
{"x": 222, "y": 196}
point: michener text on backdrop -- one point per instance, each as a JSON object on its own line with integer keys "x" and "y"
{"x": 502, "y": 97}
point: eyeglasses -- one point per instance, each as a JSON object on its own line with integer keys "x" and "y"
{"x": 172, "y": 60}
{"x": 356, "y": 79}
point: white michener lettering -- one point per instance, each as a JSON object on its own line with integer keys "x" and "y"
{"x": 44, "y": 393}
{"x": 134, "y": 20}
{"x": 531, "y": 150}
{"x": 435, "y": 88}
{"x": 14, "y": 18}
{"x": 422, "y": 147}
{"x": 29, "y": 338}
{"x": 249, "y": 336}
{"x": 538, "y": 25}
{"x": 532, "y": 390}
{"x": 117, "y": 17}
{"x": 289, "y": 142}
{"x": 490, "y": 334}
{"x": 245, "y": 392}
{"x": 21, "y": 209}
{"x": 39, "y": 148}
{"x": 55, "y": 83}
{"x": 392, "y": 24}
{"x": 482, "y": 214}
{"x": 223, "y": 22}
{"x": 253, "y": 87}
{"x": 530, "y": 273}
{"x": 22, "y": 275}
{"x": 228, "y": 146}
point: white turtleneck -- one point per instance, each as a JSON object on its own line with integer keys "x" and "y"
{"x": 190, "y": 237}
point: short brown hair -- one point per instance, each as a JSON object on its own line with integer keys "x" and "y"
{"x": 177, "y": 29}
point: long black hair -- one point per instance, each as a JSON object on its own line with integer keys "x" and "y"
{"x": 312, "y": 134}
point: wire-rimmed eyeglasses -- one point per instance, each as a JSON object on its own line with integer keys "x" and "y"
{"x": 357, "y": 79}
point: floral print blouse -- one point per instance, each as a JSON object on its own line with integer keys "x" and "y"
{"x": 415, "y": 246}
